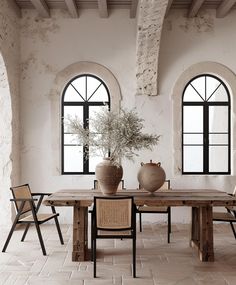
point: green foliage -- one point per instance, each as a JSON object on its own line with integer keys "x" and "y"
{"x": 119, "y": 133}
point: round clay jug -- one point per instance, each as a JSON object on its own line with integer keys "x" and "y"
{"x": 151, "y": 176}
{"x": 109, "y": 176}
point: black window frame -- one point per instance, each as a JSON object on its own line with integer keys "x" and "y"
{"x": 206, "y": 106}
{"x": 85, "y": 104}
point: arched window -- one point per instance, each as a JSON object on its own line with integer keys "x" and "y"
{"x": 206, "y": 126}
{"x": 82, "y": 96}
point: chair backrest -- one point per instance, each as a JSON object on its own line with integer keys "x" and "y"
{"x": 97, "y": 186}
{"x": 166, "y": 185}
{"x": 234, "y": 192}
{"x": 114, "y": 213}
{"x": 22, "y": 192}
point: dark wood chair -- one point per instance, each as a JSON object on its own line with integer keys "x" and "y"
{"x": 27, "y": 213}
{"x": 228, "y": 216}
{"x": 113, "y": 218}
{"x": 145, "y": 209}
{"x": 120, "y": 187}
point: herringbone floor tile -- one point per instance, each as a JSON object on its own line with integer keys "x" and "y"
{"x": 158, "y": 263}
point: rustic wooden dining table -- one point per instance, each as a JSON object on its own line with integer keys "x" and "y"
{"x": 200, "y": 200}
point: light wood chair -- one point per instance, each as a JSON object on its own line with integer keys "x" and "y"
{"x": 145, "y": 209}
{"x": 27, "y": 213}
{"x": 113, "y": 217}
{"x": 228, "y": 216}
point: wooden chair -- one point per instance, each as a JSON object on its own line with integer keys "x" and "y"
{"x": 157, "y": 210}
{"x": 120, "y": 187}
{"x": 27, "y": 213}
{"x": 113, "y": 217}
{"x": 229, "y": 216}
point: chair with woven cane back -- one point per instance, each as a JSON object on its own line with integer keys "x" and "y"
{"x": 145, "y": 209}
{"x": 113, "y": 217}
{"x": 228, "y": 216}
{"x": 27, "y": 213}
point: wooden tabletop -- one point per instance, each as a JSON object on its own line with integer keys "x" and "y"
{"x": 173, "y": 197}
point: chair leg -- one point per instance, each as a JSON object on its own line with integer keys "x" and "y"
{"x": 10, "y": 235}
{"x": 94, "y": 258}
{"x": 233, "y": 229}
{"x": 13, "y": 226}
{"x": 25, "y": 232}
{"x": 38, "y": 228}
{"x": 140, "y": 222}
{"x": 134, "y": 257}
{"x": 59, "y": 230}
{"x": 40, "y": 238}
{"x": 57, "y": 225}
{"x": 169, "y": 227}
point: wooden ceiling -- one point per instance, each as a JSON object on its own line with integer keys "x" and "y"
{"x": 222, "y": 7}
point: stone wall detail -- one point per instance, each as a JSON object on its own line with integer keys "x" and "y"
{"x": 9, "y": 105}
{"x": 150, "y": 22}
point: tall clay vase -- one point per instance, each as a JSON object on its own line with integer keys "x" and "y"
{"x": 151, "y": 176}
{"x": 109, "y": 176}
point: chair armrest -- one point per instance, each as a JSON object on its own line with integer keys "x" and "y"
{"x": 41, "y": 194}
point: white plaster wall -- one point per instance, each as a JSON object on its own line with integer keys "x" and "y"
{"x": 9, "y": 106}
{"x": 50, "y": 45}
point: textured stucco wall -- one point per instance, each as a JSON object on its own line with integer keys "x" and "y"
{"x": 9, "y": 105}
{"x": 48, "y": 46}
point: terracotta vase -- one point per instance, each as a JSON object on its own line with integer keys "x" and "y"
{"x": 151, "y": 176}
{"x": 109, "y": 176}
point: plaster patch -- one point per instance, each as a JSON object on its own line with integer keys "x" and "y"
{"x": 25, "y": 65}
{"x": 37, "y": 28}
{"x": 203, "y": 23}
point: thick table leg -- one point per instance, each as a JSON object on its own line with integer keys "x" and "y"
{"x": 80, "y": 234}
{"x": 202, "y": 232}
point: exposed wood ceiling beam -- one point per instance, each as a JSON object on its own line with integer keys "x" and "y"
{"x": 41, "y": 7}
{"x": 168, "y": 7}
{"x": 71, "y": 5}
{"x": 102, "y": 8}
{"x": 195, "y": 7}
{"x": 15, "y": 7}
{"x": 224, "y": 8}
{"x": 133, "y": 8}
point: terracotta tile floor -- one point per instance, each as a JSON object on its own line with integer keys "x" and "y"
{"x": 158, "y": 263}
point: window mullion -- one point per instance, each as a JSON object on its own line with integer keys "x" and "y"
{"x": 206, "y": 138}
{"x": 85, "y": 147}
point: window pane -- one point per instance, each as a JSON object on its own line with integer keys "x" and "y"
{"x": 193, "y": 159}
{"x": 218, "y": 159}
{"x": 193, "y": 119}
{"x": 72, "y": 95}
{"x": 190, "y": 95}
{"x": 70, "y": 139}
{"x": 100, "y": 95}
{"x": 94, "y": 158}
{"x": 73, "y": 112}
{"x": 218, "y": 119}
{"x": 92, "y": 84}
{"x": 73, "y": 158}
{"x": 199, "y": 85}
{"x": 211, "y": 85}
{"x": 193, "y": 138}
{"x": 220, "y": 95}
{"x": 80, "y": 85}
{"x": 93, "y": 110}
{"x": 218, "y": 138}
